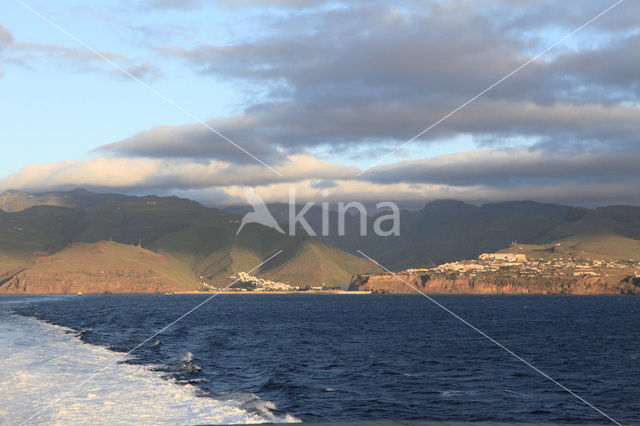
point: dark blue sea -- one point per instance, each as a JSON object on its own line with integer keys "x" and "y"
{"x": 321, "y": 357}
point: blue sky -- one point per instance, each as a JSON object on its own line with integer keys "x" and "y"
{"x": 58, "y": 111}
{"x": 321, "y": 89}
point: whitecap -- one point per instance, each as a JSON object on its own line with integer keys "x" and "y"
{"x": 40, "y": 363}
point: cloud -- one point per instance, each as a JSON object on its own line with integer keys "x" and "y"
{"x": 5, "y": 37}
{"x": 371, "y": 74}
{"x": 77, "y": 59}
{"x": 512, "y": 168}
{"x": 485, "y": 175}
{"x": 5, "y": 41}
{"x": 272, "y": 134}
{"x": 141, "y": 174}
{"x": 173, "y": 4}
{"x": 194, "y": 4}
{"x": 525, "y": 15}
{"x": 197, "y": 141}
{"x": 353, "y": 77}
{"x": 610, "y": 72}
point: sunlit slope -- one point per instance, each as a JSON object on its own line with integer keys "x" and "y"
{"x": 199, "y": 243}
{"x": 212, "y": 250}
{"x": 100, "y": 267}
{"x": 606, "y": 233}
{"x": 204, "y": 241}
{"x": 312, "y": 262}
{"x": 587, "y": 246}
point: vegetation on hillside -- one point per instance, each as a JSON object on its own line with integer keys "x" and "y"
{"x": 201, "y": 243}
{"x": 197, "y": 242}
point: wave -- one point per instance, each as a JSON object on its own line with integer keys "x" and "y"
{"x": 183, "y": 364}
{"x": 19, "y": 299}
{"x": 40, "y": 363}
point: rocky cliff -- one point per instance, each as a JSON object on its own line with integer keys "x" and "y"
{"x": 118, "y": 281}
{"x": 428, "y": 283}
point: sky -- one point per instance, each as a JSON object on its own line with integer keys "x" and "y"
{"x": 201, "y": 98}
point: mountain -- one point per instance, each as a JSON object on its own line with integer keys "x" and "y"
{"x": 313, "y": 261}
{"x": 448, "y": 230}
{"x": 202, "y": 243}
{"x": 606, "y": 233}
{"x": 35, "y": 232}
{"x": 98, "y": 268}
{"x": 442, "y": 231}
{"x": 199, "y": 242}
{"x": 13, "y": 201}
{"x": 613, "y": 220}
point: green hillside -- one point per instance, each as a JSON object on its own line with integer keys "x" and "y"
{"x": 212, "y": 250}
{"x": 622, "y": 221}
{"x": 442, "y": 231}
{"x": 316, "y": 263}
{"x": 137, "y": 219}
{"x": 36, "y": 231}
{"x": 210, "y": 247}
{"x": 199, "y": 242}
{"x": 448, "y": 230}
{"x": 201, "y": 246}
{"x": 14, "y": 201}
{"x": 99, "y": 267}
{"x": 587, "y": 246}
{"x": 603, "y": 233}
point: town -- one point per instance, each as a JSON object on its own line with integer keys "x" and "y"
{"x": 548, "y": 263}
{"x": 244, "y": 282}
{"x": 518, "y": 264}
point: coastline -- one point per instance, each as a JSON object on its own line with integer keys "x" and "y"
{"x": 334, "y": 293}
{"x": 211, "y": 293}
{"x": 508, "y": 284}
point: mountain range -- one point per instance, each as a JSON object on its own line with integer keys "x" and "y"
{"x": 82, "y": 233}
{"x": 448, "y": 230}
{"x": 55, "y": 242}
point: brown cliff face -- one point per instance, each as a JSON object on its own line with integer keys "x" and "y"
{"x": 117, "y": 281}
{"x": 103, "y": 267}
{"x": 426, "y": 283}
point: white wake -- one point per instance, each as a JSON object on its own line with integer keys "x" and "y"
{"x": 40, "y": 362}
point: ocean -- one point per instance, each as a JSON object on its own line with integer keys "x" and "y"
{"x": 301, "y": 357}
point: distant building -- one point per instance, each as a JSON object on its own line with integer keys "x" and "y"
{"x": 505, "y": 257}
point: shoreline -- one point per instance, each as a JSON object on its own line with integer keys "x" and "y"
{"x": 335, "y": 293}
{"x": 177, "y": 293}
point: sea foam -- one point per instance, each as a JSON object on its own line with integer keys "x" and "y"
{"x": 40, "y": 363}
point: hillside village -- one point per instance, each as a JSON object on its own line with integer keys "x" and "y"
{"x": 518, "y": 264}
{"x": 169, "y": 244}
{"x": 552, "y": 264}
{"x": 246, "y": 282}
